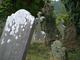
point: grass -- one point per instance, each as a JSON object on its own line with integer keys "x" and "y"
{"x": 38, "y": 51}
{"x": 75, "y": 55}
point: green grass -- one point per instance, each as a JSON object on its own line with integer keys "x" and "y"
{"x": 38, "y": 51}
{"x": 75, "y": 55}
{"x": 36, "y": 57}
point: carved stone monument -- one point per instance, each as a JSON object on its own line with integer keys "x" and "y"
{"x": 61, "y": 27}
{"x": 16, "y": 36}
{"x": 59, "y": 52}
{"x": 38, "y": 34}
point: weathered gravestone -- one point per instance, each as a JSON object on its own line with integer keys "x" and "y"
{"x": 58, "y": 51}
{"x": 39, "y": 38}
{"x": 61, "y": 27}
{"x": 38, "y": 34}
{"x": 17, "y": 35}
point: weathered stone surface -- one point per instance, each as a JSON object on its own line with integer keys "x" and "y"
{"x": 40, "y": 38}
{"x": 61, "y": 27}
{"x": 17, "y": 35}
{"x": 38, "y": 34}
{"x": 58, "y": 51}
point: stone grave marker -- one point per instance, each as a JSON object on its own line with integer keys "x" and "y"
{"x": 61, "y": 27}
{"x": 39, "y": 35}
{"x": 58, "y": 51}
{"x": 16, "y": 36}
{"x": 41, "y": 38}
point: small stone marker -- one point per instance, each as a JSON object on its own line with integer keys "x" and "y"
{"x": 17, "y": 35}
{"x": 59, "y": 52}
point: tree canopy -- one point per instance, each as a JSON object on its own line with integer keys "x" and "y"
{"x": 10, "y": 6}
{"x": 72, "y": 6}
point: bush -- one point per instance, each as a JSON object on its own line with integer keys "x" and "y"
{"x": 65, "y": 17}
{"x": 75, "y": 55}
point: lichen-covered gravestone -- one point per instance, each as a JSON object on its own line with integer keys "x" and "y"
{"x": 39, "y": 35}
{"x": 58, "y": 51}
{"x": 17, "y": 35}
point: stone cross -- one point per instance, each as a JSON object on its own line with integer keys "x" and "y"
{"x": 39, "y": 35}
{"x": 17, "y": 35}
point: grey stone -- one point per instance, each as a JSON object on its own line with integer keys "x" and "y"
{"x": 58, "y": 51}
{"x": 38, "y": 34}
{"x": 61, "y": 27}
{"x": 17, "y": 35}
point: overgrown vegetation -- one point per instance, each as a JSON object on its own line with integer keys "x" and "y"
{"x": 75, "y": 55}
{"x": 65, "y": 17}
{"x": 74, "y": 11}
{"x": 72, "y": 6}
{"x": 38, "y": 51}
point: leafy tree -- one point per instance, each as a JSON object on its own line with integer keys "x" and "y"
{"x": 10, "y": 6}
{"x": 59, "y": 7}
{"x": 65, "y": 17}
{"x": 72, "y": 6}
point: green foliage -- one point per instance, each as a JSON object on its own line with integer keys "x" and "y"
{"x": 75, "y": 55}
{"x": 72, "y": 6}
{"x": 65, "y": 17}
{"x": 10, "y": 6}
{"x": 4, "y": 7}
{"x": 39, "y": 47}
{"x": 38, "y": 51}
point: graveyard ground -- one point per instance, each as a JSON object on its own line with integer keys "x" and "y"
{"x": 38, "y": 51}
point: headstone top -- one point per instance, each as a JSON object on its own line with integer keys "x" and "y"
{"x": 18, "y": 19}
{"x": 17, "y": 35}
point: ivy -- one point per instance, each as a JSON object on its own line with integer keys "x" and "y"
{"x": 72, "y": 6}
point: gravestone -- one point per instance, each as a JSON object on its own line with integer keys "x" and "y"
{"x": 61, "y": 27}
{"x": 38, "y": 34}
{"x": 40, "y": 39}
{"x": 59, "y": 52}
{"x": 16, "y": 36}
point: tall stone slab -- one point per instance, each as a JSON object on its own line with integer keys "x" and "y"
{"x": 38, "y": 34}
{"x": 17, "y": 35}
